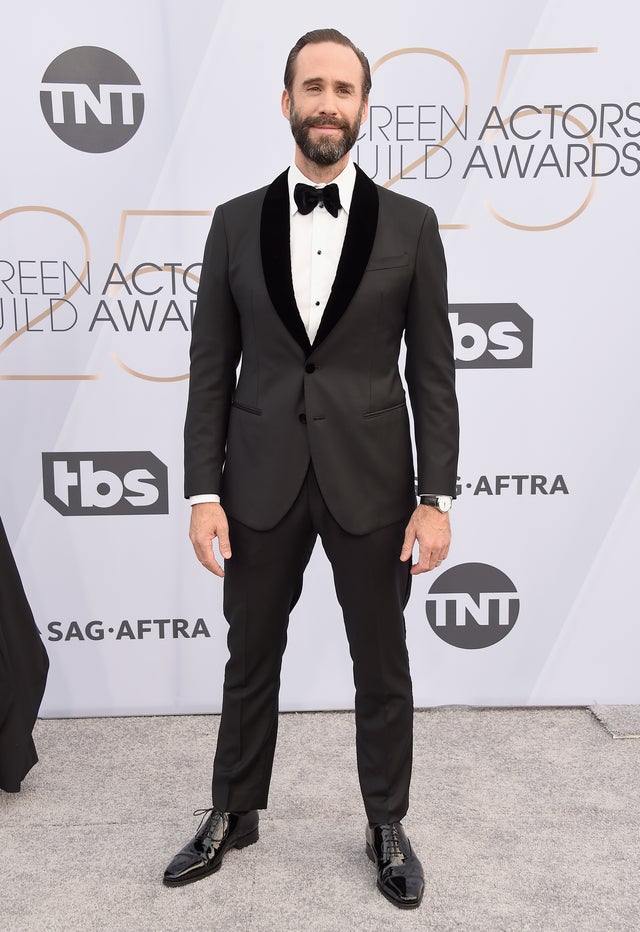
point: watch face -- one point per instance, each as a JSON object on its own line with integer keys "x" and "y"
{"x": 444, "y": 503}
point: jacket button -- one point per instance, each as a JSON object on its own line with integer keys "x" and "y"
{"x": 309, "y": 368}
{"x": 302, "y": 418}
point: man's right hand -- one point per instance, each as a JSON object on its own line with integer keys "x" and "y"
{"x": 209, "y": 521}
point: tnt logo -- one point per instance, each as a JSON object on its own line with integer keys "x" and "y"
{"x": 491, "y": 336}
{"x": 472, "y": 605}
{"x": 105, "y": 483}
{"x": 92, "y": 99}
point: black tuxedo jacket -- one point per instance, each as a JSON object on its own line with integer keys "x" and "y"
{"x": 339, "y": 402}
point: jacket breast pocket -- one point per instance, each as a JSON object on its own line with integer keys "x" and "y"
{"x": 379, "y": 263}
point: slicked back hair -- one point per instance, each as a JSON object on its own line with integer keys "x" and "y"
{"x": 326, "y": 35}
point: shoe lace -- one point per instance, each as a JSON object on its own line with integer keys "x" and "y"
{"x": 205, "y": 813}
{"x": 391, "y": 843}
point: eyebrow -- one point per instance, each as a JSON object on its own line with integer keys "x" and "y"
{"x": 310, "y": 81}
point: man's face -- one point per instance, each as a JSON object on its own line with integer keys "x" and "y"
{"x": 325, "y": 107}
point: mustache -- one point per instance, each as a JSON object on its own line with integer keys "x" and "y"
{"x": 325, "y": 121}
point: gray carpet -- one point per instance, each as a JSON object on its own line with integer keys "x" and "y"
{"x": 621, "y": 721}
{"x": 524, "y": 819}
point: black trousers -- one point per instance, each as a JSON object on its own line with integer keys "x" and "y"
{"x": 263, "y": 581}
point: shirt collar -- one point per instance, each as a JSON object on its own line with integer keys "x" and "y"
{"x": 345, "y": 181}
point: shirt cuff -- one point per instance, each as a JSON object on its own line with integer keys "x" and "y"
{"x": 201, "y": 499}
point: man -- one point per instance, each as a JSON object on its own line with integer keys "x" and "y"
{"x": 312, "y": 282}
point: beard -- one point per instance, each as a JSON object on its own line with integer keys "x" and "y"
{"x": 325, "y": 151}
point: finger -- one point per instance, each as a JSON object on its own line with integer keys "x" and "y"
{"x": 435, "y": 562}
{"x": 213, "y": 565}
{"x": 423, "y": 565}
{"x": 205, "y": 554}
{"x": 223, "y": 540}
{"x": 407, "y": 545}
{"x": 429, "y": 560}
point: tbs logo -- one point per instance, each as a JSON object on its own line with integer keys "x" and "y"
{"x": 132, "y": 483}
{"x": 491, "y": 336}
{"x": 472, "y": 605}
{"x": 92, "y": 99}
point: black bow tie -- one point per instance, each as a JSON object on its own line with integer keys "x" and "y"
{"x": 307, "y": 197}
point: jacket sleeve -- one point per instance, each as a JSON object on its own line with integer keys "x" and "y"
{"x": 215, "y": 352}
{"x": 430, "y": 367}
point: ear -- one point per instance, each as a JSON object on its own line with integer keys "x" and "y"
{"x": 285, "y": 104}
{"x": 365, "y": 111}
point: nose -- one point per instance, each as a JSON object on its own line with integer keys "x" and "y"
{"x": 328, "y": 103}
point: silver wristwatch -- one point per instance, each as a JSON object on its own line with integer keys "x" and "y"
{"x": 441, "y": 502}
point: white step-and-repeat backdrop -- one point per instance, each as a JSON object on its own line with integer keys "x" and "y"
{"x": 124, "y": 125}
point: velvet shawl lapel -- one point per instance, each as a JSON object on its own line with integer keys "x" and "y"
{"x": 276, "y": 256}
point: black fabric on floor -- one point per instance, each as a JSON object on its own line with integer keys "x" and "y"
{"x": 23, "y": 674}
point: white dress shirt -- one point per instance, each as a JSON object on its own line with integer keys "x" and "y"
{"x": 316, "y": 241}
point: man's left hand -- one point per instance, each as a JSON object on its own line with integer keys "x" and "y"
{"x": 431, "y": 528}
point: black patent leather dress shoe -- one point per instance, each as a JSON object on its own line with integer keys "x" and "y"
{"x": 400, "y": 874}
{"x": 217, "y": 833}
